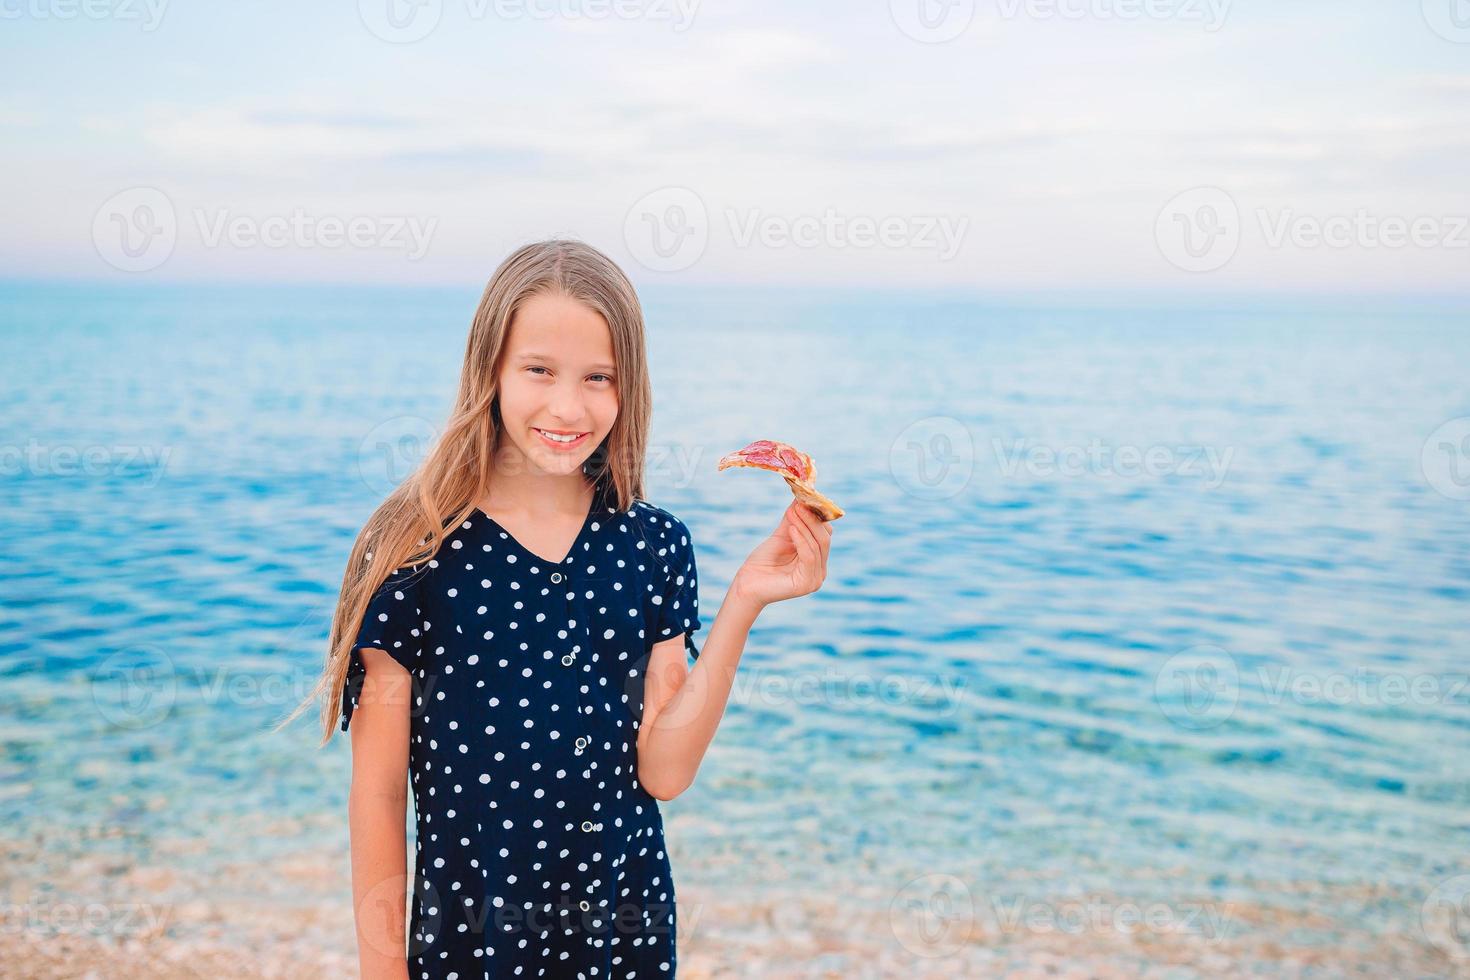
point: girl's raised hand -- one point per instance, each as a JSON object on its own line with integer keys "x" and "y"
{"x": 791, "y": 562}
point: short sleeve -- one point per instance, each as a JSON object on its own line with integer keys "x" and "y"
{"x": 677, "y": 606}
{"x": 392, "y": 623}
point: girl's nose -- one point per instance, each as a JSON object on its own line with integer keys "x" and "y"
{"x": 566, "y": 407}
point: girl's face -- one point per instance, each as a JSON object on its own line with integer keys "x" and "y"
{"x": 557, "y": 378}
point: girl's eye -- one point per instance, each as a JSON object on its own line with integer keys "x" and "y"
{"x": 537, "y": 367}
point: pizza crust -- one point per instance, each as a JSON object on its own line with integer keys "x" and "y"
{"x": 796, "y": 467}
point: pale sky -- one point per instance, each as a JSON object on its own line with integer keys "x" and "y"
{"x": 1314, "y": 145}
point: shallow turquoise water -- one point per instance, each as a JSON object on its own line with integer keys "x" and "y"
{"x": 1239, "y": 672}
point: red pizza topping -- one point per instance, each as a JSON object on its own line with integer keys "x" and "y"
{"x": 776, "y": 456}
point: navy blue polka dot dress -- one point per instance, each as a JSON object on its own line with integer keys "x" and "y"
{"x": 539, "y": 853}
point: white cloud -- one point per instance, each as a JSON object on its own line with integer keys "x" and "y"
{"x": 1060, "y": 138}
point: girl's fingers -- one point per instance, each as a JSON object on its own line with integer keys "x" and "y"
{"x": 787, "y": 520}
{"x": 803, "y": 541}
{"x": 802, "y": 546}
{"x": 824, "y": 535}
{"x": 820, "y": 530}
{"x": 805, "y": 519}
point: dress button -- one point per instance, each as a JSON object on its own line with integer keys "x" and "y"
{"x": 587, "y": 825}
{"x": 581, "y": 741}
{"x": 585, "y": 905}
{"x": 567, "y": 659}
{"x": 556, "y": 576}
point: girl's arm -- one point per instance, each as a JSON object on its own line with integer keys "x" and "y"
{"x": 682, "y": 710}
{"x": 376, "y": 805}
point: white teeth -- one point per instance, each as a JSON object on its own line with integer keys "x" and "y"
{"x": 553, "y": 436}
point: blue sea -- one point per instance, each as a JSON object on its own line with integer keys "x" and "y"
{"x": 1154, "y": 604}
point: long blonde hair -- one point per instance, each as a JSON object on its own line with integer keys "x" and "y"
{"x": 408, "y": 527}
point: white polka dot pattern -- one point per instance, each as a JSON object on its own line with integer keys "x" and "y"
{"x": 678, "y": 604}
{"x": 392, "y": 623}
{"x": 539, "y": 853}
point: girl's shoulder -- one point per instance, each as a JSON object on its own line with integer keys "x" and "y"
{"x": 662, "y": 532}
{"x": 657, "y": 519}
{"x": 452, "y": 539}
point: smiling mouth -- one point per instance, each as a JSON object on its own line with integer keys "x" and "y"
{"x": 562, "y": 440}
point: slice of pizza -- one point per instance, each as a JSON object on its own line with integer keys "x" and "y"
{"x": 795, "y": 466}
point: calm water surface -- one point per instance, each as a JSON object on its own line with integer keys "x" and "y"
{"x": 1150, "y": 602}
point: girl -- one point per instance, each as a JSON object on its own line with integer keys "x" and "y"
{"x": 511, "y": 635}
